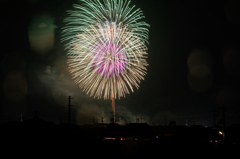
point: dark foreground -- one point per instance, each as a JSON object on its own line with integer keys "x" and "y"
{"x": 50, "y": 139}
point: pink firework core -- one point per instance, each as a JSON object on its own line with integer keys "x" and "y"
{"x": 109, "y": 59}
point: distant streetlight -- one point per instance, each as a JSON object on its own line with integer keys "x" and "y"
{"x": 222, "y": 133}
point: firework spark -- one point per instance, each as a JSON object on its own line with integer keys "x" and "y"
{"x": 107, "y": 50}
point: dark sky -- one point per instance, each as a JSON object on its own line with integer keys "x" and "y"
{"x": 193, "y": 57}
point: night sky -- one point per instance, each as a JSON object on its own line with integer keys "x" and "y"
{"x": 193, "y": 57}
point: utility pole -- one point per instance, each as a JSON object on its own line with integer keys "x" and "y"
{"x": 223, "y": 120}
{"x": 69, "y": 106}
{"x": 102, "y": 120}
{"x": 214, "y": 116}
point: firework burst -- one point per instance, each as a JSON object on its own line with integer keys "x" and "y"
{"x": 107, "y": 50}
